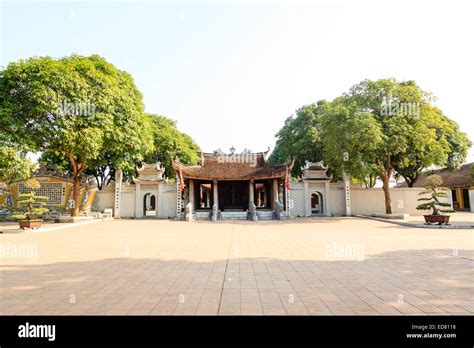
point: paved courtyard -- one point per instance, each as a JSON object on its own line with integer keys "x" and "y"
{"x": 319, "y": 266}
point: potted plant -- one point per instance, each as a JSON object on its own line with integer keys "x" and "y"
{"x": 434, "y": 191}
{"x": 31, "y": 207}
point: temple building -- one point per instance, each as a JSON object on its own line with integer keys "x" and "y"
{"x": 228, "y": 186}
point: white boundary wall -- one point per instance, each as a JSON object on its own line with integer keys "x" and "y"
{"x": 297, "y": 195}
{"x": 362, "y": 201}
{"x": 131, "y": 207}
{"x": 104, "y": 199}
{"x": 404, "y": 200}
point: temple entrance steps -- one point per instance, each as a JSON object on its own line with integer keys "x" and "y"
{"x": 234, "y": 215}
{"x": 265, "y": 215}
{"x": 202, "y": 215}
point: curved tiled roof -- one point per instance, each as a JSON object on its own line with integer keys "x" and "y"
{"x": 451, "y": 178}
{"x": 233, "y": 167}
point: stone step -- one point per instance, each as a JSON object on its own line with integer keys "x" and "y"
{"x": 265, "y": 215}
{"x": 234, "y": 215}
{"x": 202, "y": 215}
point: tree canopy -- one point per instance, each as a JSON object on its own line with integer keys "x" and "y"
{"x": 376, "y": 129}
{"x": 169, "y": 143}
{"x": 300, "y": 137}
{"x": 400, "y": 132}
{"x": 78, "y": 107}
{"x": 14, "y": 165}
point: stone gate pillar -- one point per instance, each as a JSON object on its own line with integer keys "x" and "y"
{"x": 179, "y": 198}
{"x": 327, "y": 189}
{"x": 118, "y": 193}
{"x": 251, "y": 193}
{"x": 191, "y": 195}
{"x": 216, "y": 194}
{"x": 347, "y": 192}
{"x": 138, "y": 202}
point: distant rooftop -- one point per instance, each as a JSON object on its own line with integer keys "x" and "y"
{"x": 451, "y": 178}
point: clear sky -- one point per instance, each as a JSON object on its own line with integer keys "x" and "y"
{"x": 231, "y": 72}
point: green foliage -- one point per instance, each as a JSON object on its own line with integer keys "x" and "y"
{"x": 43, "y": 106}
{"x": 377, "y": 144}
{"x": 29, "y": 205}
{"x": 433, "y": 139}
{"x": 169, "y": 143}
{"x": 14, "y": 165}
{"x": 459, "y": 146}
{"x": 381, "y": 138}
{"x": 434, "y": 191}
{"x": 300, "y": 137}
{"x": 351, "y": 137}
{"x": 414, "y": 140}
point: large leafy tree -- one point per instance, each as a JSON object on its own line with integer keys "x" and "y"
{"x": 402, "y": 141}
{"x": 300, "y": 137}
{"x": 169, "y": 143}
{"x": 350, "y": 138}
{"x": 102, "y": 168}
{"x": 433, "y": 139}
{"x": 77, "y": 107}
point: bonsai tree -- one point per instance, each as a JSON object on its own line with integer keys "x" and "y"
{"x": 434, "y": 191}
{"x": 30, "y": 204}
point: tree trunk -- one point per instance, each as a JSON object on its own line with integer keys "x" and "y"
{"x": 408, "y": 180}
{"x": 75, "y": 195}
{"x": 385, "y": 174}
{"x": 414, "y": 180}
{"x": 78, "y": 168}
{"x": 99, "y": 185}
{"x": 386, "y": 191}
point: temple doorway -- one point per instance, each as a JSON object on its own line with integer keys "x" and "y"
{"x": 316, "y": 203}
{"x": 203, "y": 196}
{"x": 233, "y": 195}
{"x": 149, "y": 205}
{"x": 262, "y": 195}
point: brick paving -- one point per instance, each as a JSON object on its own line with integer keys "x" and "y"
{"x": 322, "y": 266}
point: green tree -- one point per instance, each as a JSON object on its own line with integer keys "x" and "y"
{"x": 388, "y": 127}
{"x": 433, "y": 139}
{"x": 350, "y": 138}
{"x": 14, "y": 165}
{"x": 102, "y": 168}
{"x": 300, "y": 137}
{"x": 459, "y": 146}
{"x": 29, "y": 205}
{"x": 78, "y": 107}
{"x": 169, "y": 143}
